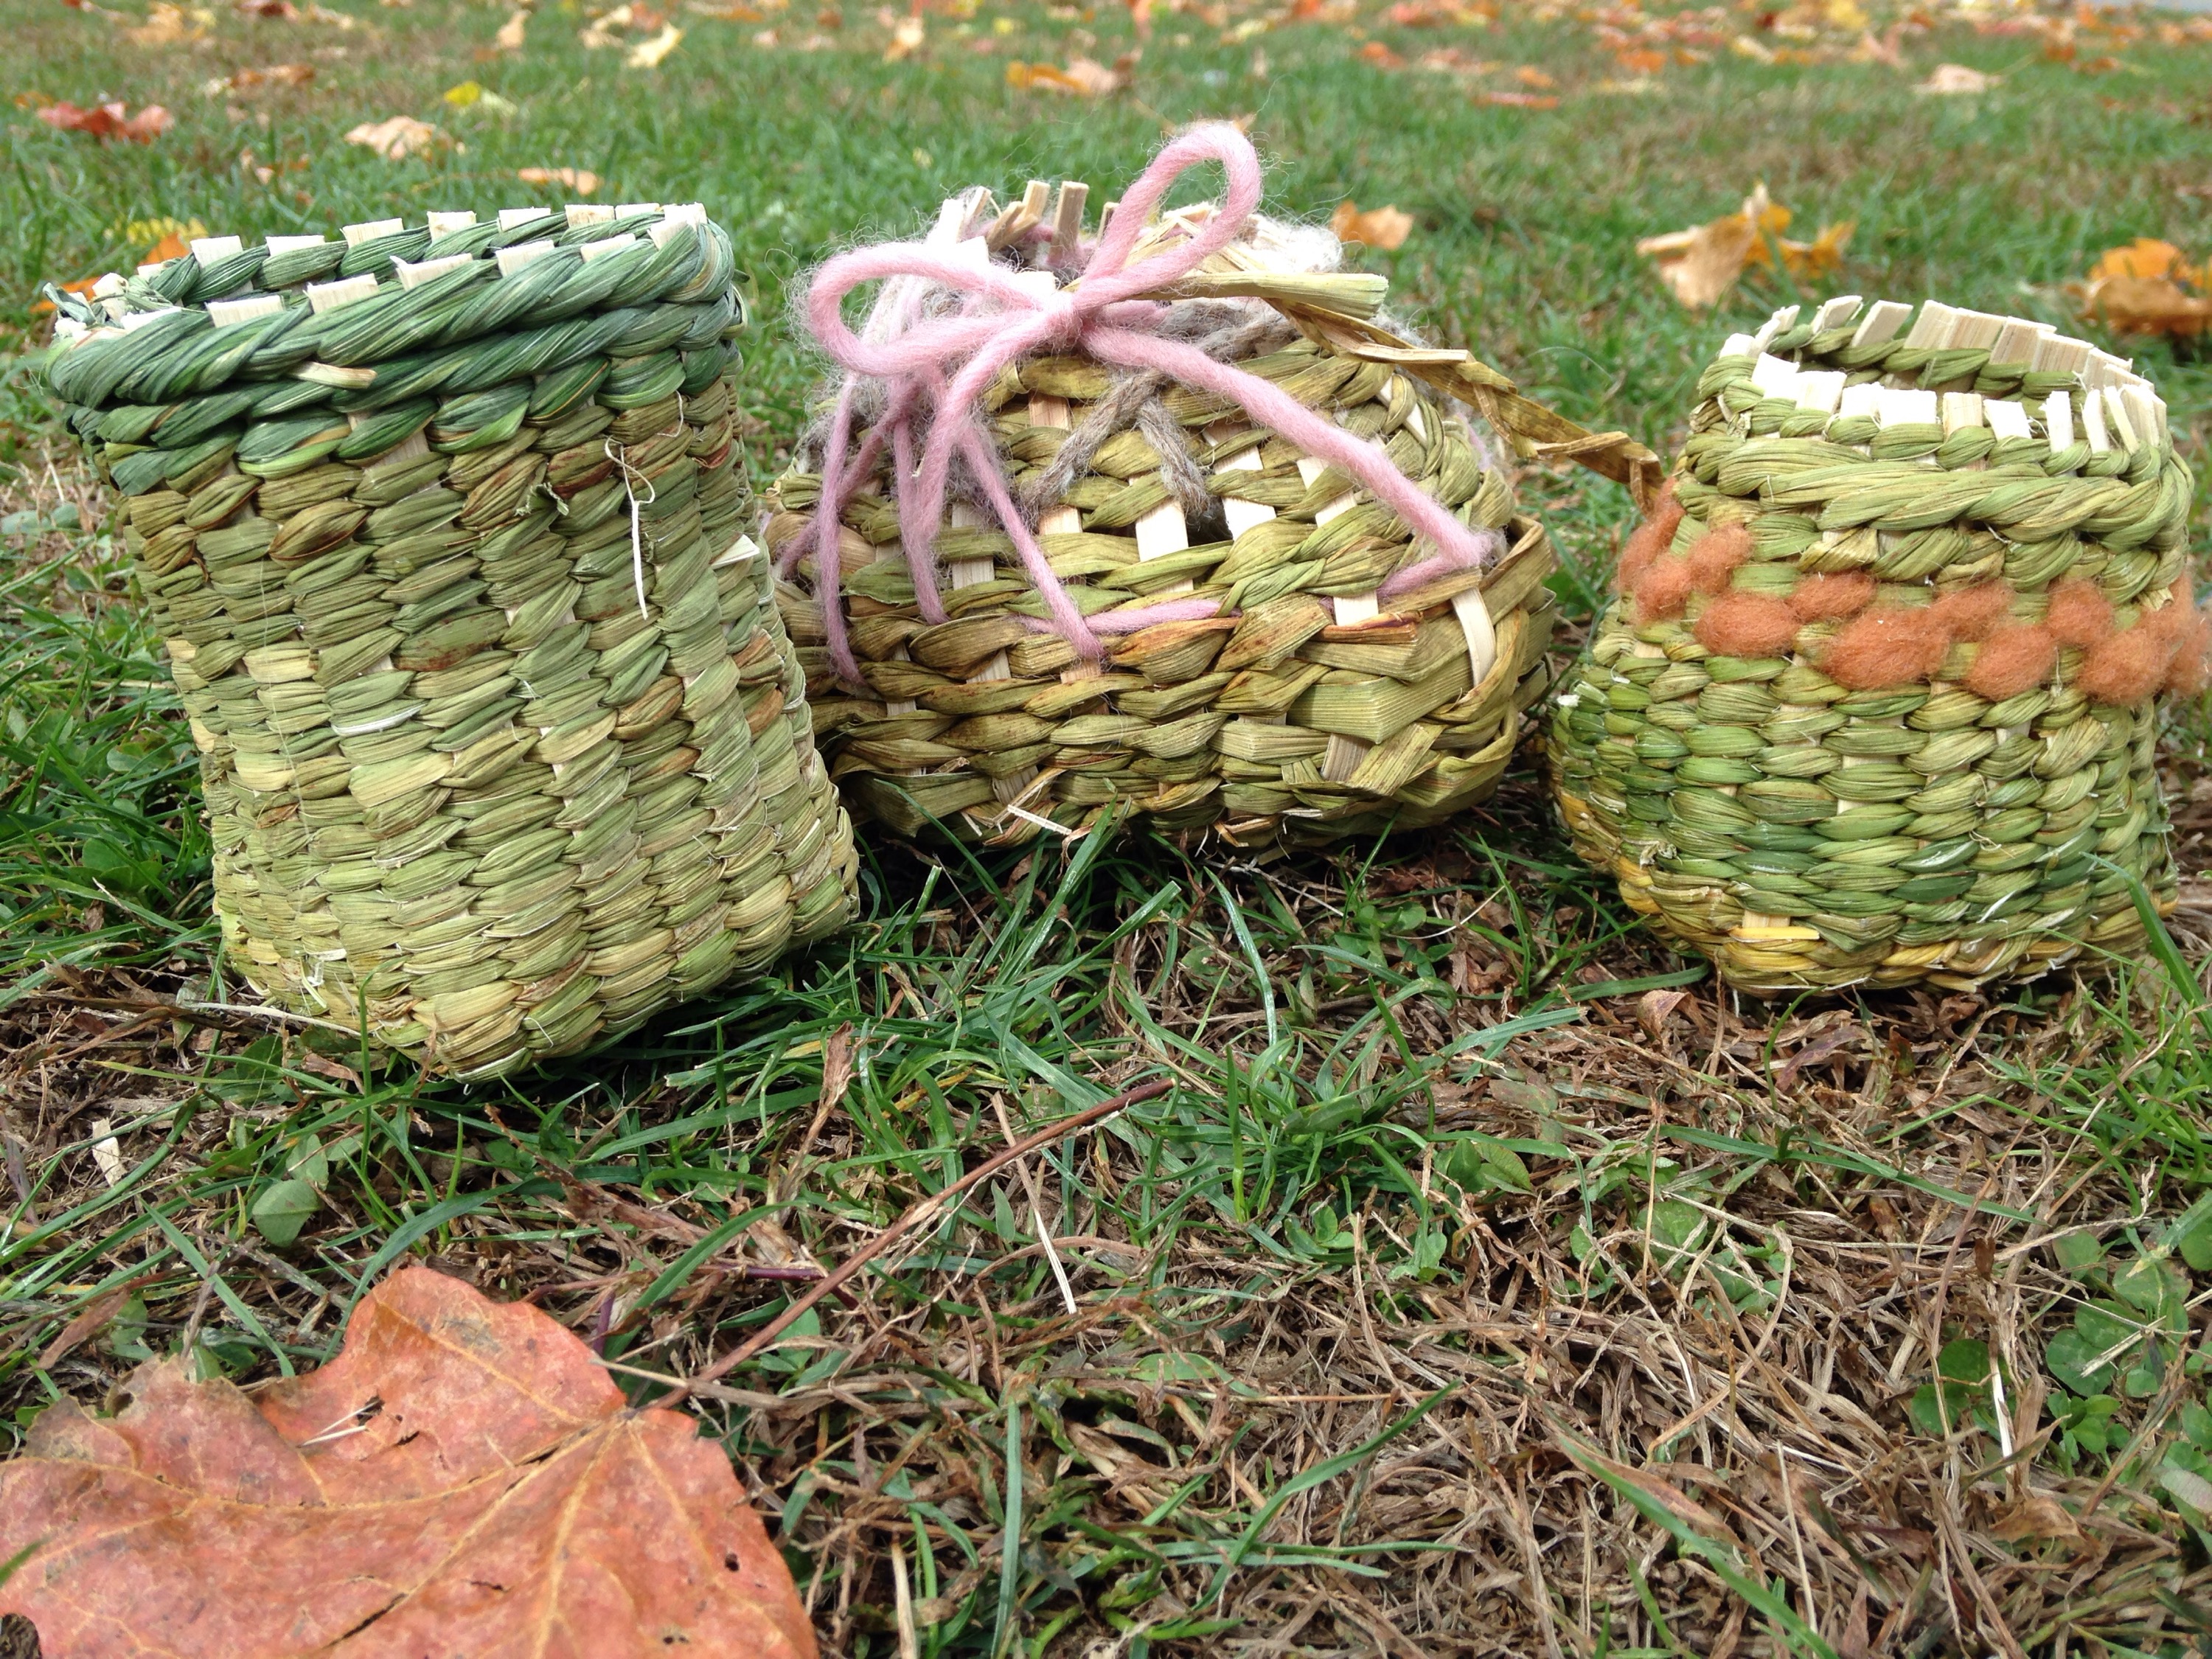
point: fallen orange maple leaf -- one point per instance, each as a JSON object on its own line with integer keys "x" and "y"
{"x": 1703, "y": 263}
{"x": 462, "y": 1479}
{"x": 106, "y": 121}
{"x": 2144, "y": 289}
{"x": 582, "y": 180}
{"x": 1084, "y": 78}
{"x": 1385, "y": 227}
{"x": 261, "y": 80}
{"x": 2146, "y": 256}
{"x": 397, "y": 138}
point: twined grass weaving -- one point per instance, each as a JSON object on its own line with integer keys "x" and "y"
{"x": 1877, "y": 703}
{"x": 504, "y": 745}
{"x": 1287, "y": 716}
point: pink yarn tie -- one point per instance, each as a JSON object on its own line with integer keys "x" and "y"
{"x": 944, "y": 366}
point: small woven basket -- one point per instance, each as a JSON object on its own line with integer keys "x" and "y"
{"x": 1877, "y": 701}
{"x": 1298, "y": 695}
{"x": 503, "y": 744}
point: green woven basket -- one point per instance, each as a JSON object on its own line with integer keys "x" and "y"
{"x": 1307, "y": 707}
{"x": 1877, "y": 701}
{"x": 504, "y": 746}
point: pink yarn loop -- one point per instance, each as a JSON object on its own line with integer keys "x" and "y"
{"x": 936, "y": 371}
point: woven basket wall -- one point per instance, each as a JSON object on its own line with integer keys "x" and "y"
{"x": 391, "y": 500}
{"x": 1307, "y": 712}
{"x": 1877, "y": 702}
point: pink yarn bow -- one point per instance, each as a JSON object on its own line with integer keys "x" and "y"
{"x": 945, "y": 365}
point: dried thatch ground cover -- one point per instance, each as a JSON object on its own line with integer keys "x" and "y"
{"x": 1487, "y": 1284}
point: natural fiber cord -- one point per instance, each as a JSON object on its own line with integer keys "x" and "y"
{"x": 1877, "y": 702}
{"x": 1144, "y": 598}
{"x": 503, "y": 742}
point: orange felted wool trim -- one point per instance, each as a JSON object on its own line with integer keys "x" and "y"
{"x": 2192, "y": 664}
{"x": 2079, "y": 613}
{"x": 1973, "y": 613}
{"x": 1830, "y": 595}
{"x": 1648, "y": 539}
{"x": 1717, "y": 555}
{"x": 1894, "y": 645}
{"x": 1748, "y": 625}
{"x": 2011, "y": 660}
{"x": 2193, "y": 642}
{"x": 1663, "y": 589}
{"x": 2128, "y": 666}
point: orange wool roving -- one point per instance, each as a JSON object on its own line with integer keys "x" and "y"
{"x": 1748, "y": 625}
{"x": 1648, "y": 539}
{"x": 1715, "y": 556}
{"x": 1894, "y": 645}
{"x": 2192, "y": 654}
{"x": 2079, "y": 613}
{"x": 2011, "y": 660}
{"x": 1831, "y": 594}
{"x": 1973, "y": 613}
{"x": 1662, "y": 589}
{"x": 2128, "y": 666}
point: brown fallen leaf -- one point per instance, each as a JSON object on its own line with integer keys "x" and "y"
{"x": 261, "y": 80}
{"x": 1430, "y": 14}
{"x": 907, "y": 35}
{"x": 2138, "y": 305}
{"x": 1385, "y": 227}
{"x": 166, "y": 25}
{"x": 396, "y": 138}
{"x": 1519, "y": 100}
{"x": 1530, "y": 76}
{"x": 648, "y": 54}
{"x": 1084, "y": 78}
{"x": 2148, "y": 287}
{"x": 1703, "y": 263}
{"x": 1454, "y": 60}
{"x": 2036, "y": 1515}
{"x": 1810, "y": 261}
{"x": 511, "y": 33}
{"x": 2146, "y": 256}
{"x": 462, "y": 1479}
{"x": 106, "y": 121}
{"x": 1653, "y": 1007}
{"x": 1956, "y": 80}
{"x": 96, "y": 1314}
{"x": 583, "y": 181}
{"x": 1380, "y": 56}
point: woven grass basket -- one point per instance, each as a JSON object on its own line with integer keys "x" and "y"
{"x": 504, "y": 745}
{"x": 1877, "y": 704}
{"x": 1306, "y": 708}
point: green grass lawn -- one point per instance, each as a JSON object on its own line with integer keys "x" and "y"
{"x": 1469, "y": 1292}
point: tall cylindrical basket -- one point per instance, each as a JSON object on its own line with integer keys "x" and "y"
{"x": 504, "y": 745}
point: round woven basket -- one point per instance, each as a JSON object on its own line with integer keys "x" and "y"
{"x": 1876, "y": 704}
{"x": 503, "y": 744}
{"x": 1300, "y": 695}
